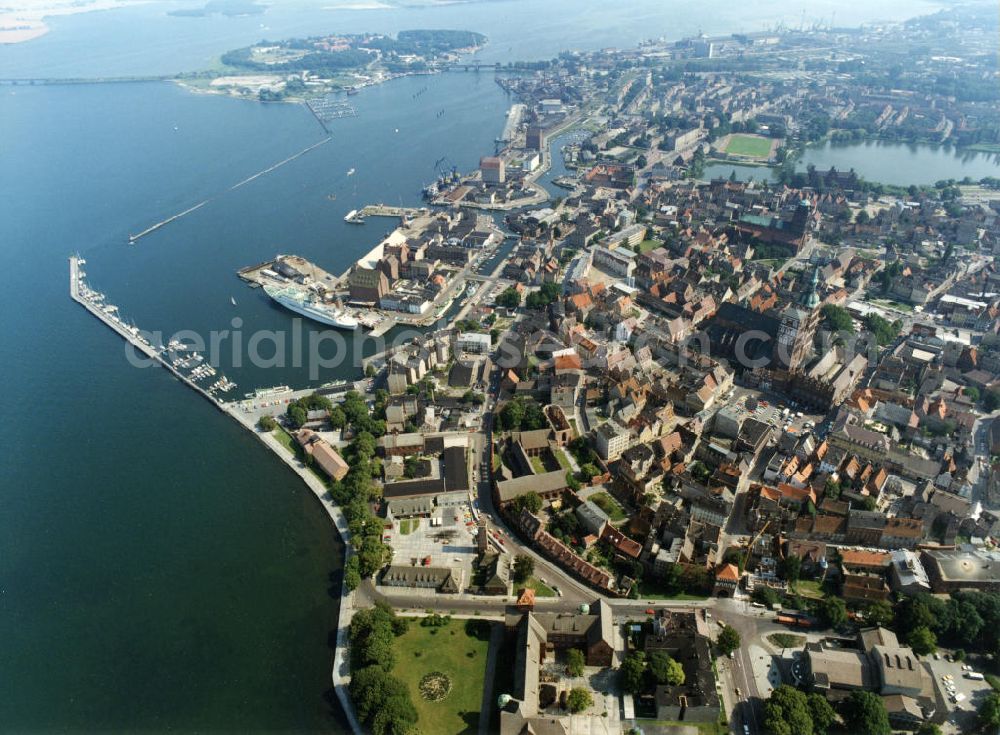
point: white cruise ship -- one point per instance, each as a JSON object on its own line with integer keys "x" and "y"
{"x": 302, "y": 302}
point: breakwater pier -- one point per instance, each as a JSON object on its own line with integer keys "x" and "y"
{"x": 132, "y": 239}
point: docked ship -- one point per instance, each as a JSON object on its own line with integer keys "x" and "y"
{"x": 302, "y": 302}
{"x": 354, "y": 217}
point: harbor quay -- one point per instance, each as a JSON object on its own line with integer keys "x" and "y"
{"x": 410, "y": 278}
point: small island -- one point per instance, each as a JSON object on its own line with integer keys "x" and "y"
{"x": 301, "y": 68}
{"x": 229, "y": 8}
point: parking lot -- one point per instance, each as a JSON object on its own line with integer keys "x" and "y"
{"x": 771, "y": 408}
{"x": 446, "y": 539}
{"x": 961, "y": 715}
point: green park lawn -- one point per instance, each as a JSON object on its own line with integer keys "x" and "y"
{"x": 408, "y": 526}
{"x": 749, "y": 145}
{"x": 649, "y": 590}
{"x": 890, "y": 304}
{"x": 560, "y": 456}
{"x": 609, "y": 505}
{"x": 541, "y": 589}
{"x": 285, "y": 439}
{"x": 448, "y": 649}
{"x": 810, "y": 588}
{"x": 537, "y": 465}
{"x": 787, "y": 640}
{"x": 646, "y": 245}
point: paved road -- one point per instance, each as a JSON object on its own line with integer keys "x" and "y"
{"x": 573, "y": 592}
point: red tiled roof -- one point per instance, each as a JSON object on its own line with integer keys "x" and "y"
{"x": 728, "y": 573}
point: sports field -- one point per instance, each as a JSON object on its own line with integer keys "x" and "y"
{"x": 749, "y": 145}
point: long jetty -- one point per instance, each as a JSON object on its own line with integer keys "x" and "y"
{"x": 340, "y": 675}
{"x": 162, "y": 223}
{"x": 129, "y": 335}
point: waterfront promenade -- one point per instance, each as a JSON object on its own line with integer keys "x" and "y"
{"x": 341, "y": 661}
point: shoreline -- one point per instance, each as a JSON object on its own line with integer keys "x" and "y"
{"x": 340, "y": 674}
{"x": 23, "y": 24}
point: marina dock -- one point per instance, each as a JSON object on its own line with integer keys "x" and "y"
{"x": 95, "y": 303}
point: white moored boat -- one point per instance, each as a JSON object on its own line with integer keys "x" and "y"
{"x": 302, "y": 302}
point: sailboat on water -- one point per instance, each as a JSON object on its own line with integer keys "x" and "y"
{"x": 232, "y": 300}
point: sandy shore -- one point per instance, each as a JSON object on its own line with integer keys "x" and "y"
{"x": 24, "y": 20}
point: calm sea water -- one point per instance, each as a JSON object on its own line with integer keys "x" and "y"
{"x": 158, "y": 568}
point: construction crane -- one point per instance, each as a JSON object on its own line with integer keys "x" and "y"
{"x": 746, "y": 557}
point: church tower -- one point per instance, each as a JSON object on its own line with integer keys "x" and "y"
{"x": 798, "y": 328}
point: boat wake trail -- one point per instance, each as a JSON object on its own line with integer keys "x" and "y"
{"x": 152, "y": 228}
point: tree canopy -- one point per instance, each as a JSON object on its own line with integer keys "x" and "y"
{"x": 879, "y": 613}
{"x": 524, "y": 567}
{"x": 530, "y": 501}
{"x": 823, "y": 716}
{"x": 509, "y": 298}
{"x": 579, "y": 699}
{"x": 922, "y": 640}
{"x": 665, "y": 670}
{"x": 833, "y": 611}
{"x": 521, "y": 414}
{"x": 883, "y": 330}
{"x": 865, "y": 712}
{"x": 786, "y": 712}
{"x": 989, "y": 712}
{"x": 632, "y": 672}
{"x": 544, "y": 296}
{"x": 837, "y": 318}
{"x": 575, "y": 662}
{"x": 728, "y": 640}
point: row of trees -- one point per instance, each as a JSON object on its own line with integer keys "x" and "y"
{"x": 789, "y": 711}
{"x": 298, "y": 410}
{"x": 352, "y": 411}
{"x": 966, "y": 620}
{"x": 382, "y": 701}
{"x": 355, "y": 492}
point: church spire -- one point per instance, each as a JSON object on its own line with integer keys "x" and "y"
{"x": 810, "y": 295}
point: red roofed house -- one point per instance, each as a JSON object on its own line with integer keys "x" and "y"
{"x": 325, "y": 456}
{"x": 726, "y": 580}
